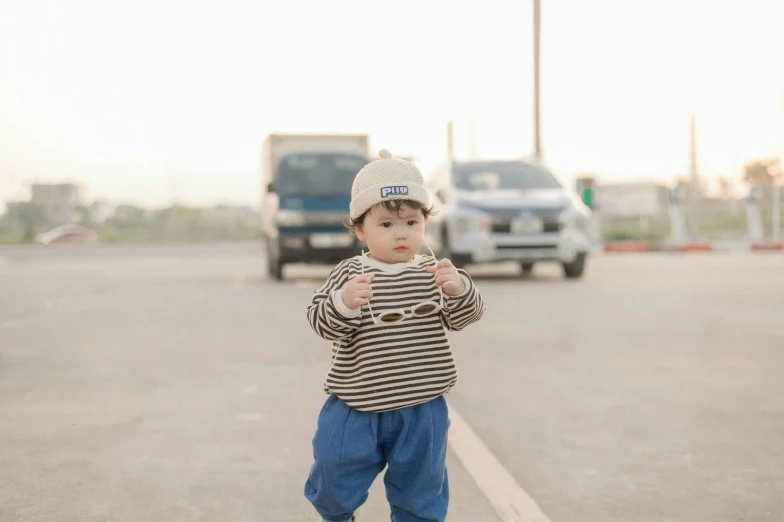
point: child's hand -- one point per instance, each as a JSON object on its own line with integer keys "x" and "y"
{"x": 447, "y": 277}
{"x": 357, "y": 291}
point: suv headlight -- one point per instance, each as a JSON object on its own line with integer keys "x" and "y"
{"x": 471, "y": 223}
{"x": 290, "y": 218}
{"x": 573, "y": 219}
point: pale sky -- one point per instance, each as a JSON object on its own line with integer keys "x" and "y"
{"x": 108, "y": 94}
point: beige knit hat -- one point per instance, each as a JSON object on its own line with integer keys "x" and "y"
{"x": 384, "y": 179}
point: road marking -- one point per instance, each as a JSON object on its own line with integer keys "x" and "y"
{"x": 509, "y": 500}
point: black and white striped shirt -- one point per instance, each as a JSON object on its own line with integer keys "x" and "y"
{"x": 381, "y": 367}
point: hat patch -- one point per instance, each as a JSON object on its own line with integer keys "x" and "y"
{"x": 396, "y": 189}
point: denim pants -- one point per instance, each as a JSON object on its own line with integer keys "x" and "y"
{"x": 352, "y": 447}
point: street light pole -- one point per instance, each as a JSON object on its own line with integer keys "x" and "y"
{"x": 776, "y": 187}
{"x": 695, "y": 196}
{"x": 537, "y": 116}
{"x": 776, "y": 211}
{"x": 450, "y": 140}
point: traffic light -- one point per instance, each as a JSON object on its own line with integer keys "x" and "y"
{"x": 586, "y": 187}
{"x": 587, "y": 196}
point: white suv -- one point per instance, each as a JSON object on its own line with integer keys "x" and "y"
{"x": 510, "y": 211}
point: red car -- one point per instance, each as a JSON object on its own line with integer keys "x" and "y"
{"x": 67, "y": 234}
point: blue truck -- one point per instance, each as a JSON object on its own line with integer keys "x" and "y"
{"x": 306, "y": 189}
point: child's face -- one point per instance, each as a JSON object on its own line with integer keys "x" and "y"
{"x": 393, "y": 236}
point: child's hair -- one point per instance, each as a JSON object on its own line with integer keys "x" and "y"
{"x": 393, "y": 205}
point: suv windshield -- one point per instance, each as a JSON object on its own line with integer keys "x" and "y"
{"x": 516, "y": 175}
{"x": 312, "y": 174}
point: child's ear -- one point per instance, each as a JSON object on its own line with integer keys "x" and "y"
{"x": 359, "y": 232}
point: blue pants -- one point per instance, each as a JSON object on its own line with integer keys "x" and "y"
{"x": 352, "y": 447}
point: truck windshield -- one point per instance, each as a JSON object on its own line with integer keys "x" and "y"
{"x": 516, "y": 175}
{"x": 318, "y": 174}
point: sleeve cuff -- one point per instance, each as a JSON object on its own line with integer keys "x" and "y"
{"x": 466, "y": 284}
{"x": 341, "y": 308}
{"x": 455, "y": 301}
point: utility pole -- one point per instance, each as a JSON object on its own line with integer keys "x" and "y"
{"x": 537, "y": 116}
{"x": 472, "y": 137}
{"x": 694, "y": 193}
{"x": 450, "y": 140}
{"x": 777, "y": 187}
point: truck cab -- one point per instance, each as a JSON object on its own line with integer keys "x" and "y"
{"x": 305, "y": 202}
{"x": 510, "y": 211}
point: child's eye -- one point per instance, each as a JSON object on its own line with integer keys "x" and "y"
{"x": 386, "y": 225}
{"x": 411, "y": 223}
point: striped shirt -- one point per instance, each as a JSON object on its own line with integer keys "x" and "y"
{"x": 380, "y": 367}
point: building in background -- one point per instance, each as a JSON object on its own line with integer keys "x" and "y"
{"x": 59, "y": 200}
{"x": 99, "y": 211}
{"x": 14, "y": 214}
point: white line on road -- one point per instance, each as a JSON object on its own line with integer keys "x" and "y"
{"x": 509, "y": 500}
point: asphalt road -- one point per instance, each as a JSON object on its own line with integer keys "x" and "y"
{"x": 174, "y": 382}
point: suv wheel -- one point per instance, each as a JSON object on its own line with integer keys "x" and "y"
{"x": 575, "y": 269}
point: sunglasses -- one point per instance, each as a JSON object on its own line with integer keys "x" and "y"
{"x": 418, "y": 310}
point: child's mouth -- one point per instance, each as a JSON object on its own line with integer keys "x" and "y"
{"x": 401, "y": 249}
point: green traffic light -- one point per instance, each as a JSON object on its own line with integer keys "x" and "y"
{"x": 587, "y": 196}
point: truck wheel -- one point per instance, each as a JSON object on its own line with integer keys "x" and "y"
{"x": 527, "y": 267}
{"x": 574, "y": 270}
{"x": 274, "y": 268}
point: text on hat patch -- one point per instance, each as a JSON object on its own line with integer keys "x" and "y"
{"x": 397, "y": 189}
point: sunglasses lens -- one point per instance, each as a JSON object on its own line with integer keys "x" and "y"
{"x": 425, "y": 309}
{"x": 391, "y": 318}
